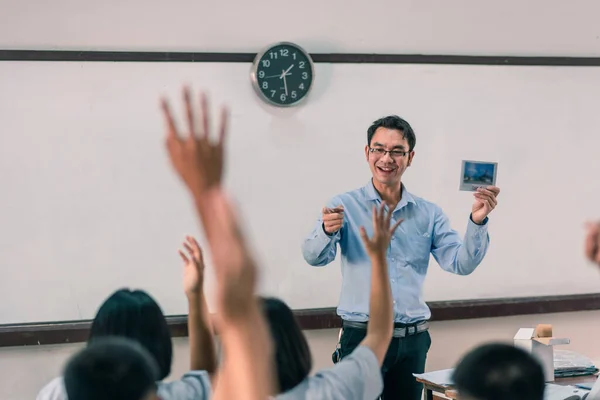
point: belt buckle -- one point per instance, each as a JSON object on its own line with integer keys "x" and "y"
{"x": 411, "y": 330}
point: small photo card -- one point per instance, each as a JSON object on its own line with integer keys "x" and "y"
{"x": 475, "y": 174}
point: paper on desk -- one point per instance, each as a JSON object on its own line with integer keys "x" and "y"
{"x": 558, "y": 392}
{"x": 440, "y": 378}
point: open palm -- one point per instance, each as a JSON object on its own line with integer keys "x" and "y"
{"x": 193, "y": 268}
{"x": 382, "y": 233}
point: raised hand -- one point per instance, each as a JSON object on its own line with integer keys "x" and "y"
{"x": 592, "y": 242}
{"x": 196, "y": 158}
{"x": 382, "y": 232}
{"x": 485, "y": 202}
{"x": 243, "y": 330}
{"x": 333, "y": 219}
{"x": 193, "y": 266}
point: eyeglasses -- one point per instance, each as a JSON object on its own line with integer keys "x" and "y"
{"x": 380, "y": 152}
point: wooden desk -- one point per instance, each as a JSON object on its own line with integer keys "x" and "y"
{"x": 431, "y": 389}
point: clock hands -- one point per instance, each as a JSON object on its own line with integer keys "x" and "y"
{"x": 285, "y": 73}
{"x": 285, "y": 85}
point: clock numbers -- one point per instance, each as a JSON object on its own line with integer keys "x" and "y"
{"x": 282, "y": 53}
{"x": 283, "y": 74}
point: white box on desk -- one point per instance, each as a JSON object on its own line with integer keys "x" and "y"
{"x": 540, "y": 343}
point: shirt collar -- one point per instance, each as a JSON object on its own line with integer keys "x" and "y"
{"x": 372, "y": 194}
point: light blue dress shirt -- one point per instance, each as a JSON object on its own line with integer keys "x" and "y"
{"x": 425, "y": 230}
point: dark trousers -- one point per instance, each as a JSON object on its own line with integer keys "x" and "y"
{"x": 405, "y": 356}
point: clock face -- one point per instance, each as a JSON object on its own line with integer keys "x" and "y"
{"x": 283, "y": 74}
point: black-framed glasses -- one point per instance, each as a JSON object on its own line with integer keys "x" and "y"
{"x": 380, "y": 152}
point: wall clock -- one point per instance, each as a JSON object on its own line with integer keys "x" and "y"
{"x": 282, "y": 74}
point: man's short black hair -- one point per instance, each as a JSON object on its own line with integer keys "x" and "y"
{"x": 394, "y": 122}
{"x": 499, "y": 371}
{"x": 113, "y": 368}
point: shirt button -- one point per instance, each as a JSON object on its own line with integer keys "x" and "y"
{"x": 393, "y": 281}
{"x": 392, "y": 259}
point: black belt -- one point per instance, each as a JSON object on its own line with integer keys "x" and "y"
{"x": 399, "y": 331}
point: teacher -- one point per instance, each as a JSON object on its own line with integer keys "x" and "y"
{"x": 425, "y": 229}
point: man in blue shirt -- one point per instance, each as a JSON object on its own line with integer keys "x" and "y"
{"x": 425, "y": 229}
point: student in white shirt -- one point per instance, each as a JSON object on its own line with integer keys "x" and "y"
{"x": 112, "y": 368}
{"x": 357, "y": 376}
{"x": 135, "y": 315}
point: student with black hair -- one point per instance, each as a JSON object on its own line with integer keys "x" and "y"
{"x": 112, "y": 368}
{"x": 498, "y": 371}
{"x": 134, "y": 314}
{"x": 358, "y": 376}
{"x": 293, "y": 360}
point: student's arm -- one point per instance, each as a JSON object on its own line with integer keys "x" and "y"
{"x": 358, "y": 376}
{"x": 202, "y": 347}
{"x": 381, "y": 311}
{"x": 320, "y": 246}
{"x": 247, "y": 371}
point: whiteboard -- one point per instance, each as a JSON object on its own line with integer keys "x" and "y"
{"x": 89, "y": 203}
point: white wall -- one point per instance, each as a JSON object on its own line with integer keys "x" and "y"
{"x": 24, "y": 370}
{"x": 535, "y": 27}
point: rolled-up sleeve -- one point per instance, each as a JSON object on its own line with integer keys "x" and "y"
{"x": 319, "y": 248}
